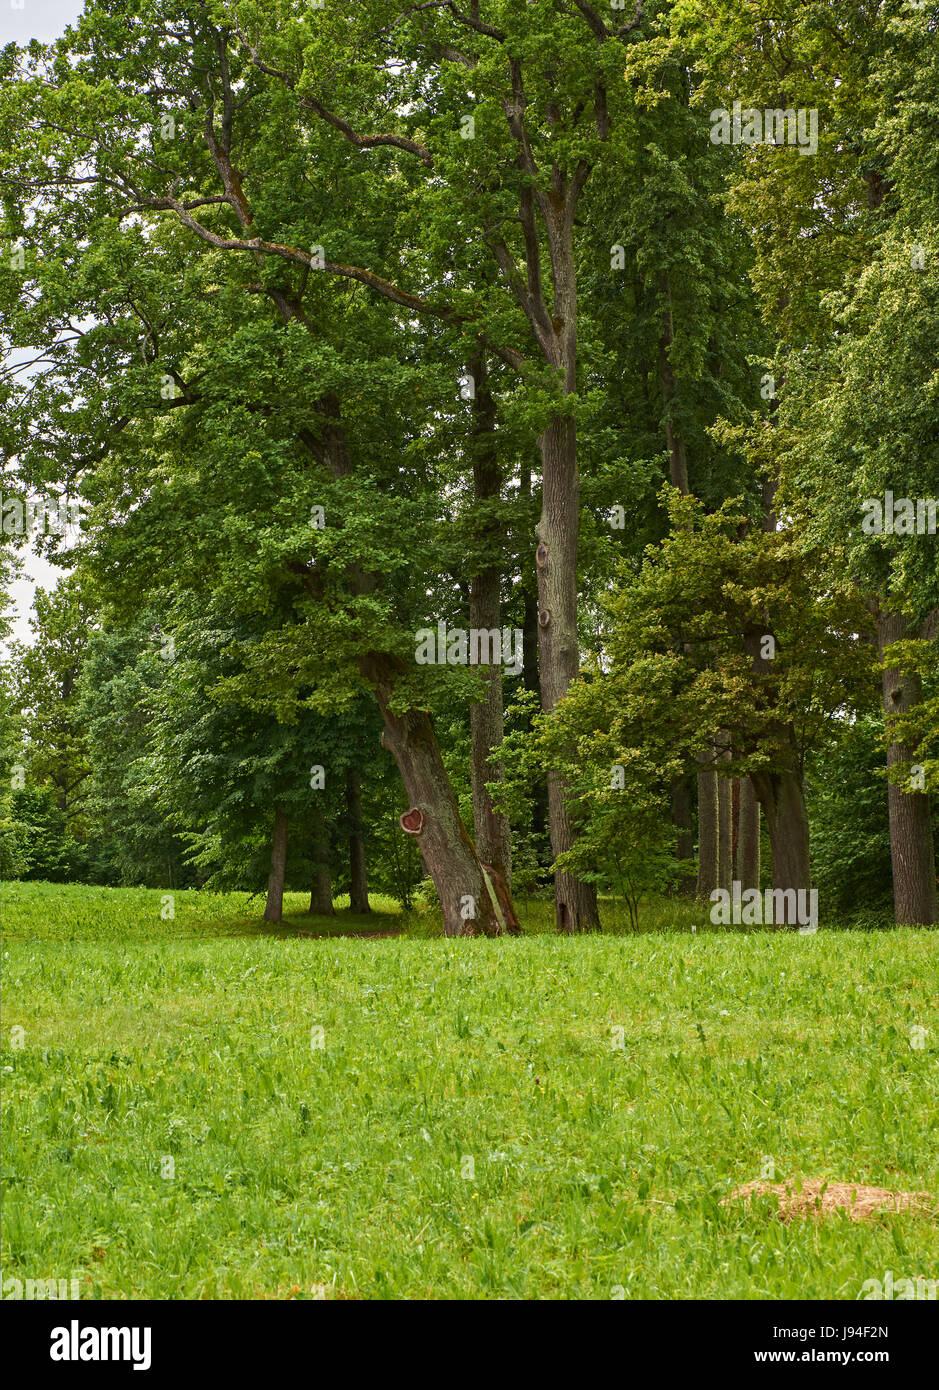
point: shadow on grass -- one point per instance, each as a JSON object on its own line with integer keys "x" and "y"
{"x": 363, "y": 925}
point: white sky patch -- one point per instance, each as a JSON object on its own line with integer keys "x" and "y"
{"x": 37, "y": 572}
{"x": 38, "y": 19}
{"x": 44, "y": 20}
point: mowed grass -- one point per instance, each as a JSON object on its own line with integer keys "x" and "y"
{"x": 474, "y": 1125}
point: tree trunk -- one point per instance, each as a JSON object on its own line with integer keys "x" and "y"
{"x": 358, "y": 887}
{"x": 707, "y": 827}
{"x": 491, "y": 828}
{"x": 493, "y": 842}
{"x": 725, "y": 830}
{"x": 683, "y": 820}
{"x": 446, "y": 850}
{"x": 530, "y": 675}
{"x": 782, "y": 797}
{"x": 445, "y": 847}
{"x": 274, "y": 907}
{"x": 466, "y": 893}
{"x": 911, "y": 842}
{"x": 321, "y": 891}
{"x": 559, "y": 656}
{"x": 748, "y": 836}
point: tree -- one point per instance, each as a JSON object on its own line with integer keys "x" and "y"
{"x": 49, "y": 698}
{"x": 726, "y": 633}
{"x": 164, "y": 309}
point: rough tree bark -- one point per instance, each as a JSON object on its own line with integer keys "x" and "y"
{"x": 274, "y": 907}
{"x": 358, "y": 886}
{"x": 911, "y": 842}
{"x": 748, "y": 836}
{"x": 559, "y": 656}
{"x": 447, "y": 851}
{"x": 782, "y": 796}
{"x": 555, "y": 330}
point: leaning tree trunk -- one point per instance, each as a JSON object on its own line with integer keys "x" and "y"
{"x": 321, "y": 889}
{"x": 707, "y": 826}
{"x": 493, "y": 842}
{"x": 782, "y": 797}
{"x": 911, "y": 842}
{"x": 451, "y": 862}
{"x": 274, "y": 907}
{"x": 472, "y": 899}
{"x": 748, "y": 836}
{"x": 358, "y": 886}
{"x": 559, "y": 656}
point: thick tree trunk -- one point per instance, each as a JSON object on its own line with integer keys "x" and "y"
{"x": 911, "y": 842}
{"x": 782, "y": 797}
{"x": 559, "y": 655}
{"x": 321, "y": 889}
{"x": 274, "y": 907}
{"x": 683, "y": 820}
{"x": 748, "y": 836}
{"x": 358, "y": 886}
{"x": 493, "y": 841}
{"x": 707, "y": 827}
{"x": 465, "y": 891}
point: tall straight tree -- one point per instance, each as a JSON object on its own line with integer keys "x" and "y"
{"x": 493, "y": 839}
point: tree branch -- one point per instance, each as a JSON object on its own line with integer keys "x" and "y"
{"x": 307, "y": 103}
{"x": 470, "y": 21}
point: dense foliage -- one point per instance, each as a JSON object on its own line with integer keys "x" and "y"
{"x": 354, "y": 322}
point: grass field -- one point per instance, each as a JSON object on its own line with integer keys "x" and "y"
{"x": 470, "y": 1122}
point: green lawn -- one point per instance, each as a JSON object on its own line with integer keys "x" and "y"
{"x": 468, "y": 1128}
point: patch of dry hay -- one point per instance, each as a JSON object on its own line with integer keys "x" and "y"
{"x": 816, "y": 1197}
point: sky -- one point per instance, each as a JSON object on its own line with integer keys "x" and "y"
{"x": 20, "y": 21}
